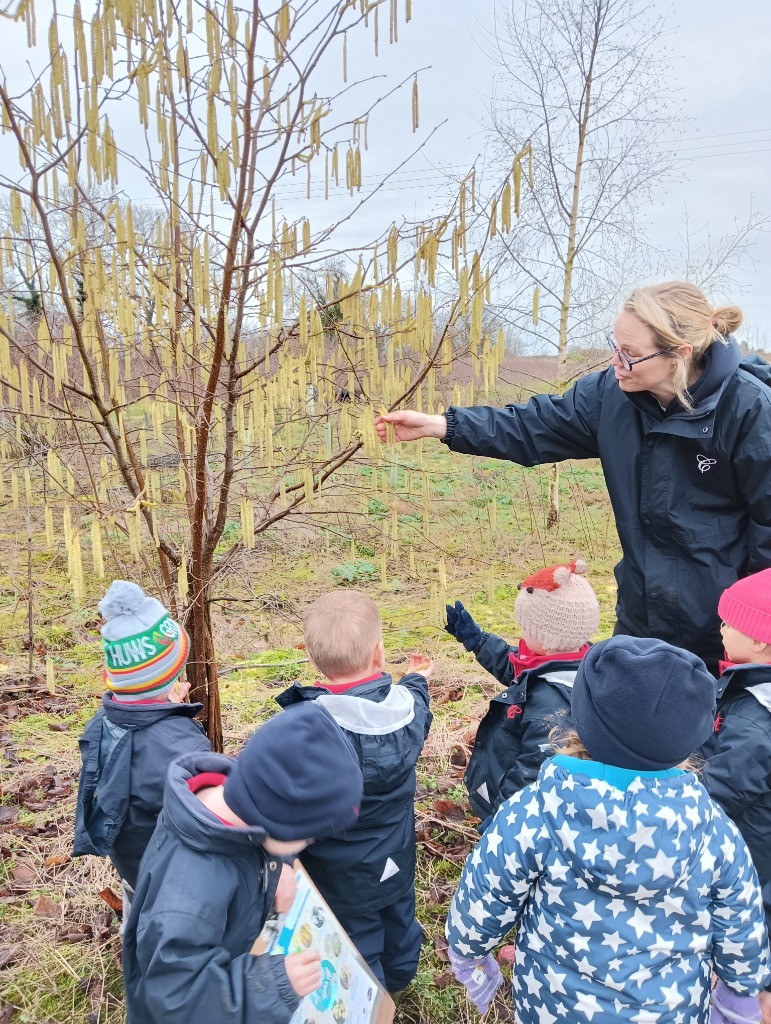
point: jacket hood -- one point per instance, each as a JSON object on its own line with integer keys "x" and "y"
{"x": 720, "y": 363}
{"x": 194, "y": 824}
{"x": 757, "y": 367}
{"x": 742, "y": 677}
{"x": 139, "y": 716}
{"x": 369, "y": 717}
{"x": 625, "y": 833}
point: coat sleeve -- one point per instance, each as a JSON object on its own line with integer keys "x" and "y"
{"x": 493, "y": 656}
{"x": 418, "y": 687}
{"x": 187, "y": 977}
{"x": 739, "y": 936}
{"x": 497, "y": 878}
{"x": 542, "y": 712}
{"x": 738, "y": 771}
{"x": 548, "y": 428}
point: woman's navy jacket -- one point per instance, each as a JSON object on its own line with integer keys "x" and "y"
{"x": 691, "y": 491}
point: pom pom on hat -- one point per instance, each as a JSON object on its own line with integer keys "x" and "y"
{"x": 298, "y": 777}
{"x": 145, "y": 649}
{"x": 557, "y": 607}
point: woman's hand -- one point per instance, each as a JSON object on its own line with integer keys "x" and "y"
{"x": 410, "y": 426}
{"x": 304, "y": 971}
{"x": 286, "y": 890}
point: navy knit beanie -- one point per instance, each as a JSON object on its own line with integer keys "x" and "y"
{"x": 298, "y": 777}
{"x": 642, "y": 703}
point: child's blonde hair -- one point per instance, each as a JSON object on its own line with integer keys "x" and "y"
{"x": 679, "y": 313}
{"x": 565, "y": 740}
{"x": 341, "y": 631}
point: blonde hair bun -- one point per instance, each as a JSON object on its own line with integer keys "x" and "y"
{"x": 727, "y": 319}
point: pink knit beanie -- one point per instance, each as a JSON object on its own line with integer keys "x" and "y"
{"x": 558, "y": 608}
{"x": 747, "y": 606}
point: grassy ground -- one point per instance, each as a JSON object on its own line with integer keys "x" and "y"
{"x": 59, "y": 952}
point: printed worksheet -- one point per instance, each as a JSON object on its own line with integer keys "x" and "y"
{"x": 349, "y": 993}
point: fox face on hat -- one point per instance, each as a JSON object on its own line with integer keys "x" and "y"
{"x": 144, "y": 648}
{"x": 557, "y": 607}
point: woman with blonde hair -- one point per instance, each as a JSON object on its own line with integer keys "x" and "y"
{"x": 682, "y": 427}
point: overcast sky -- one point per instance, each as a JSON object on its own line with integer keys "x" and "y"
{"x": 721, "y": 63}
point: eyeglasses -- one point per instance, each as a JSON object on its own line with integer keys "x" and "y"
{"x": 623, "y": 358}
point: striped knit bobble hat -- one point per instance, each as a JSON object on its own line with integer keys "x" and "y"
{"x": 144, "y": 648}
{"x": 557, "y": 607}
{"x": 747, "y": 606}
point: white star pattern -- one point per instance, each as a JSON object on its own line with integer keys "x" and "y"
{"x": 658, "y": 881}
{"x": 642, "y": 837}
{"x": 661, "y": 866}
{"x": 586, "y": 914}
{"x": 493, "y": 840}
{"x": 587, "y": 1004}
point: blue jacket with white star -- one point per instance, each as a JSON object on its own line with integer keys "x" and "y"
{"x": 625, "y": 889}
{"x": 690, "y": 490}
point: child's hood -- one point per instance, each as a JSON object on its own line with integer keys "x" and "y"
{"x": 191, "y": 821}
{"x": 139, "y": 716}
{"x": 638, "y": 841}
{"x": 368, "y": 717}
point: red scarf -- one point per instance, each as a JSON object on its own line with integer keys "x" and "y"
{"x": 523, "y": 659}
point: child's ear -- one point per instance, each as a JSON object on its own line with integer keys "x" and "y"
{"x": 759, "y": 646}
{"x": 378, "y": 655}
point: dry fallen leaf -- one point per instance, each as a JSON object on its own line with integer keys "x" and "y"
{"x": 23, "y": 874}
{"x": 45, "y": 907}
{"x": 112, "y": 899}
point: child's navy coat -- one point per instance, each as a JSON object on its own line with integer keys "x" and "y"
{"x": 737, "y": 771}
{"x": 126, "y": 751}
{"x": 512, "y": 740}
{"x": 372, "y": 865}
{"x": 205, "y": 891}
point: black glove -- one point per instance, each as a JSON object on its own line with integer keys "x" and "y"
{"x": 463, "y": 628}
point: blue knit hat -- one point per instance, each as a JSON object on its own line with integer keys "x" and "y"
{"x": 642, "y": 703}
{"x": 298, "y": 777}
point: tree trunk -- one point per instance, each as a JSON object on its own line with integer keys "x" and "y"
{"x": 202, "y": 668}
{"x": 553, "y": 513}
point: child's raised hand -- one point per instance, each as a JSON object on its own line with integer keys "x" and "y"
{"x": 461, "y": 625}
{"x": 286, "y": 890}
{"x": 409, "y": 426}
{"x": 304, "y": 971}
{"x": 421, "y": 663}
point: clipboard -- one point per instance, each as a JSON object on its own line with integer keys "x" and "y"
{"x": 349, "y": 992}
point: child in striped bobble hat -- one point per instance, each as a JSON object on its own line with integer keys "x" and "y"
{"x": 141, "y": 727}
{"x": 557, "y": 612}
